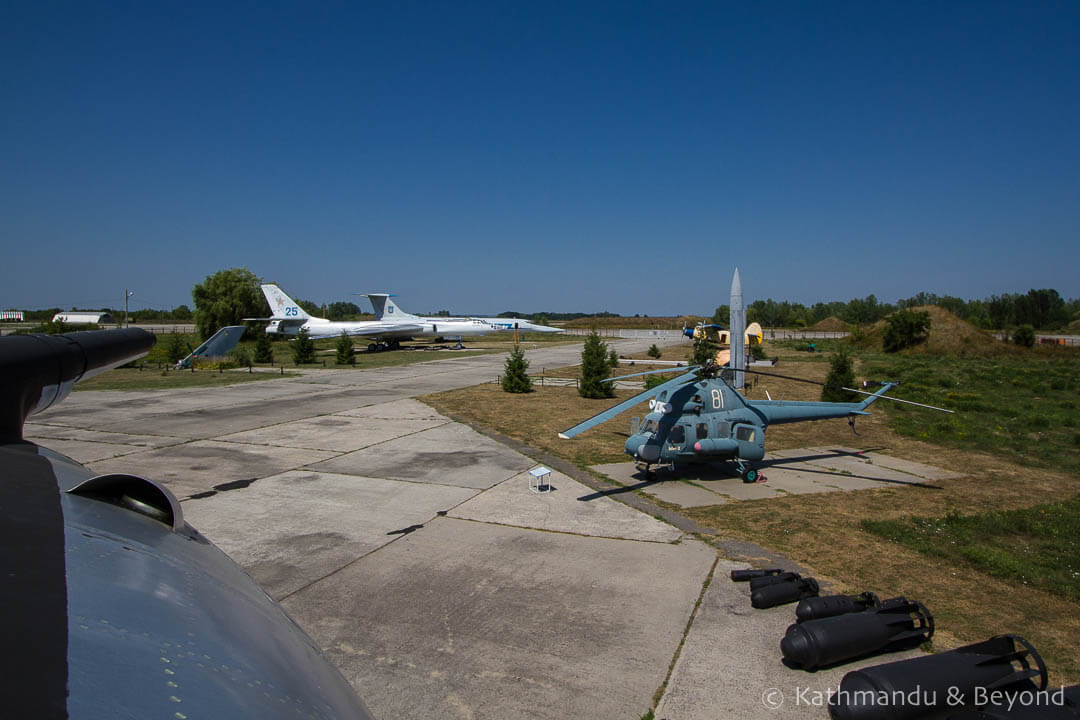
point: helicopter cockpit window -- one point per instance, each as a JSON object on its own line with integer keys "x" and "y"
{"x": 723, "y": 429}
{"x": 677, "y": 436}
{"x": 663, "y": 396}
{"x": 702, "y": 431}
{"x": 745, "y": 433}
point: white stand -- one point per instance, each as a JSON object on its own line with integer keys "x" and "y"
{"x": 539, "y": 480}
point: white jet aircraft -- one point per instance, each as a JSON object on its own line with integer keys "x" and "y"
{"x": 385, "y": 309}
{"x": 288, "y": 318}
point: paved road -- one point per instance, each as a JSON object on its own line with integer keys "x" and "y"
{"x": 412, "y": 550}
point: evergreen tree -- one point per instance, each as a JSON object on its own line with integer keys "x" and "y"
{"x": 701, "y": 353}
{"x": 654, "y": 352}
{"x": 595, "y": 369}
{"x": 303, "y": 348}
{"x": 841, "y": 375}
{"x": 345, "y": 353}
{"x": 613, "y": 358}
{"x": 264, "y": 350}
{"x": 515, "y": 378}
{"x": 177, "y": 349}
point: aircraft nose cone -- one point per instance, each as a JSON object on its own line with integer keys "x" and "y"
{"x": 697, "y": 446}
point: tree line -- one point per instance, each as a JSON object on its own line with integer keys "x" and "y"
{"x": 1042, "y": 309}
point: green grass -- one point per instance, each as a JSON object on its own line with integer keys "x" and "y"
{"x": 1024, "y": 407}
{"x": 1037, "y": 546}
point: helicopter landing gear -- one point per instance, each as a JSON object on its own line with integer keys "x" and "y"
{"x": 749, "y": 474}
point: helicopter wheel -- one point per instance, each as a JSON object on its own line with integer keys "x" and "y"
{"x": 750, "y": 475}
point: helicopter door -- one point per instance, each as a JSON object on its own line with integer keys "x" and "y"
{"x": 751, "y": 440}
{"x": 677, "y": 436}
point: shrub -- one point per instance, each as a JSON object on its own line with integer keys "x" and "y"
{"x": 654, "y": 352}
{"x": 303, "y": 348}
{"x": 240, "y": 356}
{"x": 840, "y": 375}
{"x": 264, "y": 349}
{"x": 515, "y": 377}
{"x": 1024, "y": 336}
{"x": 905, "y": 329}
{"x": 345, "y": 353}
{"x": 176, "y": 349}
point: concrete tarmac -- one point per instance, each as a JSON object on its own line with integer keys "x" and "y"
{"x": 412, "y": 550}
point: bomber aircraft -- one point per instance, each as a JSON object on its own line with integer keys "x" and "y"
{"x": 385, "y": 308}
{"x": 113, "y": 605}
{"x": 288, "y": 318}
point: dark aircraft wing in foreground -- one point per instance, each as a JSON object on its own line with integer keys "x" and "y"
{"x": 113, "y": 606}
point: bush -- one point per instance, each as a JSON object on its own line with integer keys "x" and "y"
{"x": 652, "y": 381}
{"x": 240, "y": 357}
{"x": 613, "y": 359}
{"x": 654, "y": 352}
{"x": 905, "y": 329}
{"x": 841, "y": 375}
{"x": 701, "y": 353}
{"x": 595, "y": 368}
{"x": 1024, "y": 336}
{"x": 264, "y": 349}
{"x": 176, "y": 349}
{"x": 345, "y": 353}
{"x": 515, "y": 377}
{"x": 303, "y": 348}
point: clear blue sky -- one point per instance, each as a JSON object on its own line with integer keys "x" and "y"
{"x": 481, "y": 157}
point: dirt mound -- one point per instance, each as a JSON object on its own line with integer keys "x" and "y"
{"x": 830, "y": 324}
{"x": 949, "y": 335}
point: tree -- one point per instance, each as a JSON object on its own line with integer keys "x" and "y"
{"x": 264, "y": 350}
{"x": 345, "y": 353}
{"x": 181, "y": 313}
{"x": 515, "y": 377}
{"x": 226, "y": 298}
{"x": 654, "y": 352}
{"x": 906, "y": 328}
{"x": 595, "y": 369}
{"x": 613, "y": 358}
{"x": 177, "y": 348}
{"x": 1024, "y": 336}
{"x": 303, "y": 348}
{"x": 841, "y": 375}
{"x": 701, "y": 353}
{"x": 338, "y": 311}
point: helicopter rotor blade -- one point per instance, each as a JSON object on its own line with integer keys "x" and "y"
{"x": 676, "y": 368}
{"x": 861, "y": 392}
{"x": 626, "y": 405}
{"x": 906, "y": 402}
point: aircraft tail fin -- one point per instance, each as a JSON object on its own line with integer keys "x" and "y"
{"x": 385, "y": 308}
{"x": 282, "y": 306}
{"x": 876, "y": 394}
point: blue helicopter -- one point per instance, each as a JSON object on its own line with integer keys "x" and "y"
{"x": 698, "y": 416}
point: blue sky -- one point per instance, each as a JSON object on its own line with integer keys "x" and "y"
{"x": 481, "y": 157}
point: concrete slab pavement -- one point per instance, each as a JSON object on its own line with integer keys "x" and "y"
{"x": 731, "y": 665}
{"x": 473, "y": 620}
{"x": 291, "y": 529}
{"x": 570, "y": 507}
{"x": 451, "y": 454}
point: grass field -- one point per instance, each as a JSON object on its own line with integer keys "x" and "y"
{"x": 152, "y": 378}
{"x": 1012, "y": 439}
